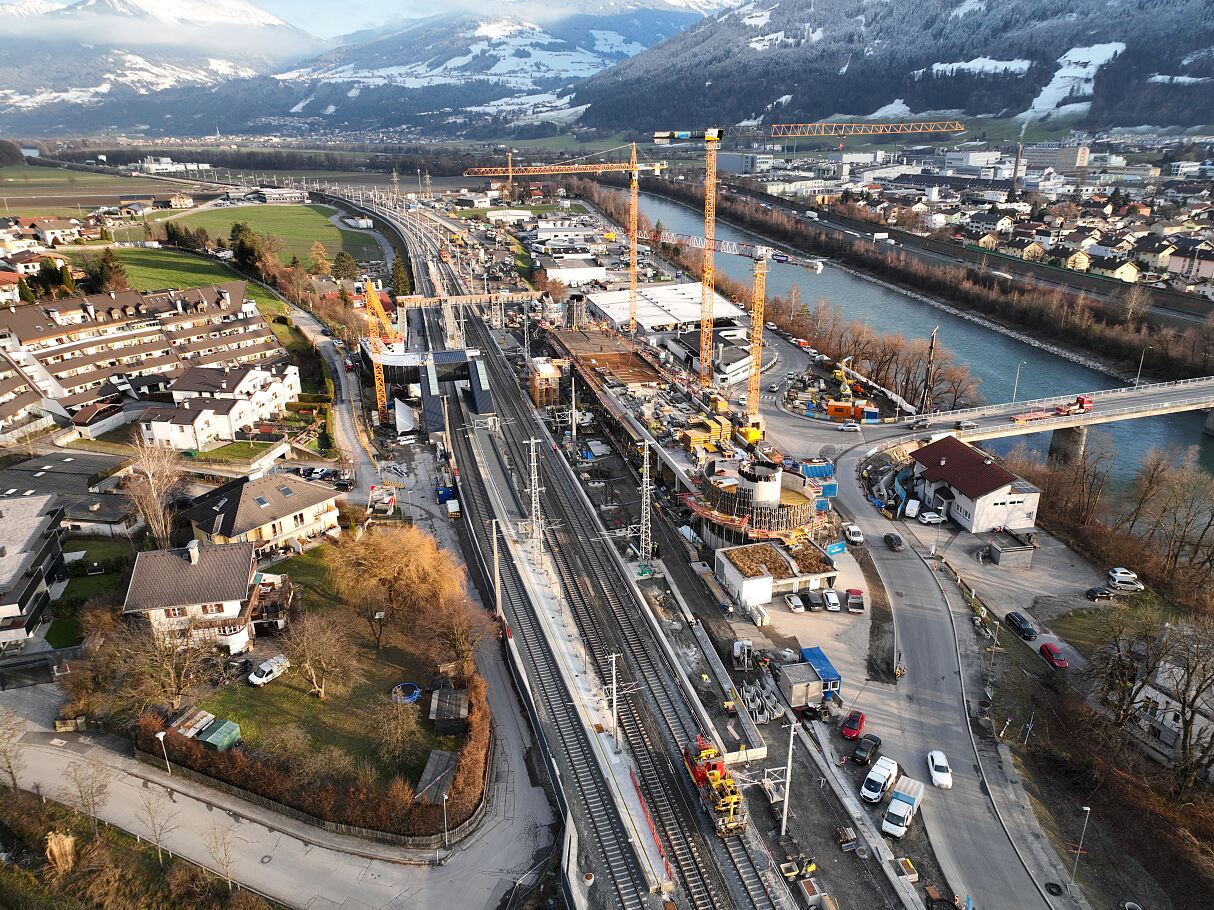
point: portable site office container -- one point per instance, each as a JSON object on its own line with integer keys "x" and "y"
{"x": 453, "y": 509}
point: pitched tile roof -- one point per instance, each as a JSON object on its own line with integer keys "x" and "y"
{"x": 237, "y": 507}
{"x": 211, "y": 379}
{"x": 168, "y": 578}
{"x": 969, "y": 471}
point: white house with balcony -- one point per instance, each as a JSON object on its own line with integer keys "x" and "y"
{"x": 267, "y": 387}
{"x": 197, "y": 425}
{"x": 272, "y": 512}
{"x": 196, "y": 593}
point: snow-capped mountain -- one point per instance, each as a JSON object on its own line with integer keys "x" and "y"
{"x": 510, "y": 52}
{"x": 95, "y": 50}
{"x": 1114, "y": 62}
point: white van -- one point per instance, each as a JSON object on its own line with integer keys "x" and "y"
{"x": 912, "y": 508}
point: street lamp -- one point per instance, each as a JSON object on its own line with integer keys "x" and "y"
{"x": 164, "y": 749}
{"x": 1016, "y": 384}
{"x": 1140, "y": 360}
{"x": 1087, "y": 814}
{"x": 445, "y": 844}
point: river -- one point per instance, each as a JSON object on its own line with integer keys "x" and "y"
{"x": 991, "y": 356}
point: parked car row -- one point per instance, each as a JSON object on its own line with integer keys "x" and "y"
{"x": 826, "y": 599}
{"x": 886, "y": 778}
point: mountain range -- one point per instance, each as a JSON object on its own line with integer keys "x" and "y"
{"x": 193, "y": 66}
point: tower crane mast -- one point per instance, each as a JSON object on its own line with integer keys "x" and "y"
{"x": 712, "y": 142}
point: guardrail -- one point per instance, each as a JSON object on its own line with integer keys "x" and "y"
{"x": 1029, "y": 404}
{"x": 1189, "y": 404}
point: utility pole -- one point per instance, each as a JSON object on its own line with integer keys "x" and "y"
{"x": 792, "y": 737}
{"x": 615, "y": 714}
{"x": 573, "y": 409}
{"x": 645, "y": 564}
{"x": 497, "y": 574}
{"x": 537, "y": 519}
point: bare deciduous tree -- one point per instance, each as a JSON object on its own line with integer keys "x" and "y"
{"x": 321, "y": 647}
{"x": 155, "y": 476}
{"x": 451, "y": 630}
{"x": 154, "y": 670}
{"x": 159, "y": 815}
{"x": 398, "y": 736}
{"x": 221, "y": 845}
{"x": 396, "y": 571}
{"x": 86, "y": 788}
{"x": 11, "y": 760}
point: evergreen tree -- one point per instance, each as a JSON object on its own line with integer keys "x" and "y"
{"x": 105, "y": 273}
{"x": 344, "y": 267}
{"x": 402, "y": 286}
{"x": 25, "y": 292}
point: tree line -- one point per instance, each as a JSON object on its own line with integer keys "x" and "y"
{"x": 1073, "y": 318}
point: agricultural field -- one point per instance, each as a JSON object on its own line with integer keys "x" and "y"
{"x": 57, "y": 192}
{"x": 298, "y": 226}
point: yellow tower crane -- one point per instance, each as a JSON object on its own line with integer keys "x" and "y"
{"x": 632, "y": 167}
{"x": 758, "y": 295}
{"x": 712, "y": 142}
{"x": 379, "y": 331}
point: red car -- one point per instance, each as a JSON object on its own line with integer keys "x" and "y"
{"x": 853, "y": 725}
{"x": 1053, "y": 656}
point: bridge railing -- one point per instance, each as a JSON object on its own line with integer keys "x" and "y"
{"x": 1030, "y": 404}
{"x": 1189, "y": 403}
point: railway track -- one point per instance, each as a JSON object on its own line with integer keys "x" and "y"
{"x": 592, "y": 582}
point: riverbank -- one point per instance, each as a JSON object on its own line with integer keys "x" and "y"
{"x": 1018, "y": 333}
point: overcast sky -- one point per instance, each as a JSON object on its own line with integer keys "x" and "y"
{"x": 327, "y": 18}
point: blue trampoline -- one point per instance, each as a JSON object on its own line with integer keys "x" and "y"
{"x": 406, "y": 693}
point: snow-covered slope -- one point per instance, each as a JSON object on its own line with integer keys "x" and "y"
{"x": 1108, "y": 62}
{"x": 91, "y": 50}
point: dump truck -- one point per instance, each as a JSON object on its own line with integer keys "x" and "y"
{"x": 904, "y": 804}
{"x": 1081, "y": 404}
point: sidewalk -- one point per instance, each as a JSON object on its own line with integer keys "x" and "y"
{"x": 296, "y": 863}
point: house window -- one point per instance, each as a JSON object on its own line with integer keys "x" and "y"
{"x": 299, "y": 520}
{"x": 174, "y": 612}
{"x": 211, "y": 609}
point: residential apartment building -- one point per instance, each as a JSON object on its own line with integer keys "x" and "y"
{"x": 196, "y": 425}
{"x": 31, "y": 559}
{"x": 271, "y": 511}
{"x": 206, "y": 594}
{"x": 77, "y": 351}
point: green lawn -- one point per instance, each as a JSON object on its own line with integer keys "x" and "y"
{"x": 64, "y": 632}
{"x": 235, "y": 451}
{"x": 347, "y": 717}
{"x": 1082, "y": 628}
{"x": 303, "y": 354}
{"x": 299, "y": 226}
{"x": 97, "y": 549}
{"x": 154, "y": 270}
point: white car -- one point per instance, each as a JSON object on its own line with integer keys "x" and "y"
{"x": 269, "y": 670}
{"x": 942, "y": 774}
{"x": 795, "y": 603}
{"x": 1122, "y": 574}
{"x": 831, "y": 599}
{"x": 931, "y": 518}
{"x": 854, "y": 535}
{"x": 849, "y": 426}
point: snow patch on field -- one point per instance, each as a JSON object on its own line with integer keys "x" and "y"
{"x": 615, "y": 44}
{"x": 896, "y": 108}
{"x": 299, "y": 107}
{"x": 763, "y": 42}
{"x": 982, "y": 65}
{"x": 760, "y": 18}
{"x": 1161, "y": 79}
{"x": 969, "y": 6}
{"x": 354, "y": 92}
{"x": 1074, "y": 77}
{"x": 329, "y": 109}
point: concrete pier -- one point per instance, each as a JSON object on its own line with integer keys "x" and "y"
{"x": 1067, "y": 443}
{"x": 1209, "y": 431}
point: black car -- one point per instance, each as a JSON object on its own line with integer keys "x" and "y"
{"x": 894, "y": 542}
{"x": 328, "y": 333}
{"x": 867, "y": 749}
{"x": 1098, "y": 594}
{"x": 1019, "y": 624}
